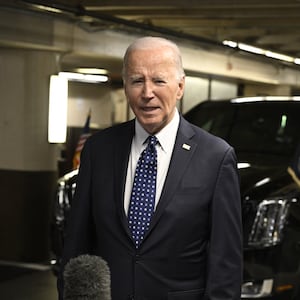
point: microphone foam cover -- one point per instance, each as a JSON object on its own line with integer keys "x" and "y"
{"x": 87, "y": 277}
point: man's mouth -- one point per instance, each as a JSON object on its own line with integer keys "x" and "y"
{"x": 149, "y": 109}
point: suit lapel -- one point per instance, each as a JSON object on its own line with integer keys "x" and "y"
{"x": 122, "y": 151}
{"x": 182, "y": 154}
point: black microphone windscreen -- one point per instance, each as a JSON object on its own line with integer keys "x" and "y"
{"x": 87, "y": 277}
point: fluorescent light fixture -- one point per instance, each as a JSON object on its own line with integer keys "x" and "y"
{"x": 231, "y": 44}
{"x": 279, "y": 56}
{"x": 97, "y": 71}
{"x": 71, "y": 76}
{"x": 95, "y": 78}
{"x": 251, "y": 49}
{"x": 260, "y": 51}
{"x": 84, "y": 77}
{"x": 47, "y": 8}
{"x": 297, "y": 61}
{"x": 58, "y": 102}
{"x": 58, "y": 107}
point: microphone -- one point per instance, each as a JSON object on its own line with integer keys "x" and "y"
{"x": 87, "y": 277}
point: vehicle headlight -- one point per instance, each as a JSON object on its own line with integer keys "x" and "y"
{"x": 257, "y": 289}
{"x": 267, "y": 229}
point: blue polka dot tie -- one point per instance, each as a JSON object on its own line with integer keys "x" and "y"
{"x": 142, "y": 200}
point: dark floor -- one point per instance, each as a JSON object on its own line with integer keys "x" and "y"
{"x": 27, "y": 282}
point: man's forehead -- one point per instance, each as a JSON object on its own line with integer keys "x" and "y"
{"x": 150, "y": 74}
{"x": 150, "y": 59}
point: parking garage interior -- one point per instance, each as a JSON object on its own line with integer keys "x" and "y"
{"x": 39, "y": 40}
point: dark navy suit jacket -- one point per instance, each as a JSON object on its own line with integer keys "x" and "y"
{"x": 193, "y": 248}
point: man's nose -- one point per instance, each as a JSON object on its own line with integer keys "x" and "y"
{"x": 148, "y": 89}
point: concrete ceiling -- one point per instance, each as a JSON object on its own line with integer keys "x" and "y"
{"x": 273, "y": 24}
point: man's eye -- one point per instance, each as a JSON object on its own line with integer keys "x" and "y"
{"x": 159, "y": 81}
{"x": 135, "y": 81}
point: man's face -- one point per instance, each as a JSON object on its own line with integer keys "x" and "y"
{"x": 152, "y": 87}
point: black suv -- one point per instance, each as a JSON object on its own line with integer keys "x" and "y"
{"x": 266, "y": 136}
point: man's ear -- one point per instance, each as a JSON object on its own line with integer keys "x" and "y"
{"x": 181, "y": 86}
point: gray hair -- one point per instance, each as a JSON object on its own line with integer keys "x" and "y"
{"x": 149, "y": 42}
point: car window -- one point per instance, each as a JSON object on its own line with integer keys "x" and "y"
{"x": 260, "y": 127}
{"x": 263, "y": 128}
{"x": 217, "y": 119}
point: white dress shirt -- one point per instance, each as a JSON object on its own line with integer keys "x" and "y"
{"x": 166, "y": 138}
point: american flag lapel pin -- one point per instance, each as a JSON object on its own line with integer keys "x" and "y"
{"x": 186, "y": 147}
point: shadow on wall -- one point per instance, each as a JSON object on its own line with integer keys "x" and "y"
{"x": 26, "y": 203}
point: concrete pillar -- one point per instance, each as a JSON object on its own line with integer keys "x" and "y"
{"x": 28, "y": 163}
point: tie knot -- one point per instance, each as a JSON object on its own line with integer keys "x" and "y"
{"x": 152, "y": 140}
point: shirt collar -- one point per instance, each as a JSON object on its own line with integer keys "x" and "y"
{"x": 165, "y": 136}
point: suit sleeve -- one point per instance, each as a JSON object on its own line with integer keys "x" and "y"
{"x": 224, "y": 276}
{"x": 79, "y": 230}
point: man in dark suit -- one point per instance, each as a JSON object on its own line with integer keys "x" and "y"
{"x": 190, "y": 248}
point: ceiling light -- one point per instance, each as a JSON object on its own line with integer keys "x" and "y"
{"x": 279, "y": 56}
{"x": 297, "y": 61}
{"x": 84, "y": 77}
{"x": 47, "y": 8}
{"x": 92, "y": 71}
{"x": 250, "y": 48}
{"x": 260, "y": 51}
{"x": 230, "y": 44}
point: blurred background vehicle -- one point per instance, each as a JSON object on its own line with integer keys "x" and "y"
{"x": 265, "y": 134}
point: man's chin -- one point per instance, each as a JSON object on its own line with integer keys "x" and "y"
{"x": 151, "y": 126}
